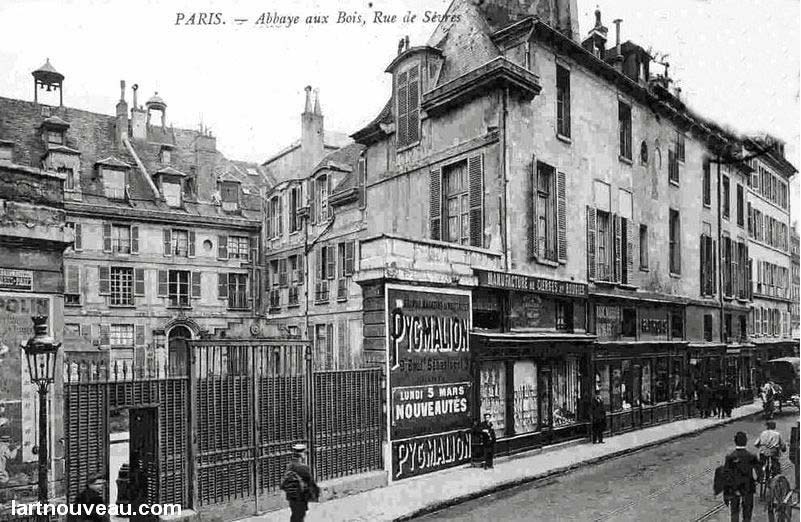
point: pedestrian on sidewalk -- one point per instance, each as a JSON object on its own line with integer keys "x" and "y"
{"x": 487, "y": 440}
{"x": 598, "y": 418}
{"x": 731, "y": 398}
{"x": 744, "y": 471}
{"x": 703, "y": 399}
{"x": 89, "y": 499}
{"x": 720, "y": 399}
{"x": 298, "y": 484}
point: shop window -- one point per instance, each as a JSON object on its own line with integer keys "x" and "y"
{"x": 629, "y": 323}
{"x": 564, "y": 316}
{"x": 677, "y": 325}
{"x": 677, "y": 379}
{"x": 565, "y": 393}
{"x": 708, "y": 327}
{"x": 493, "y": 394}
{"x": 661, "y": 380}
{"x": 486, "y": 310}
{"x": 616, "y": 399}
{"x": 602, "y": 382}
{"x": 526, "y": 397}
{"x": 645, "y": 384}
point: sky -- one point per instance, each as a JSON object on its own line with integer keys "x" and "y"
{"x": 737, "y": 62}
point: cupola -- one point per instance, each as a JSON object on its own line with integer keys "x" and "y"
{"x": 48, "y": 77}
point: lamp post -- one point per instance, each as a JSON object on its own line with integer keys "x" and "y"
{"x": 41, "y": 351}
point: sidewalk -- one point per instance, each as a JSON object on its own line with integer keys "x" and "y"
{"x": 413, "y": 497}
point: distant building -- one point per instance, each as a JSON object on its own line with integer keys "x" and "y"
{"x": 166, "y": 228}
{"x": 795, "y": 297}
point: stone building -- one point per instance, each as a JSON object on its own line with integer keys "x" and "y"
{"x": 166, "y": 228}
{"x": 795, "y": 289}
{"x": 769, "y": 237}
{"x": 33, "y": 236}
{"x": 564, "y": 188}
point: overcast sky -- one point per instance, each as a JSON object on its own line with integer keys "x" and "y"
{"x": 737, "y": 62}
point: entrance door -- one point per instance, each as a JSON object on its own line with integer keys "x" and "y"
{"x": 143, "y": 482}
{"x": 545, "y": 398}
{"x": 178, "y": 349}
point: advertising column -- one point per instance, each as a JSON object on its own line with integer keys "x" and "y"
{"x": 429, "y": 379}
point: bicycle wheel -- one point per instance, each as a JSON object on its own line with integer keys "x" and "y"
{"x": 779, "y": 498}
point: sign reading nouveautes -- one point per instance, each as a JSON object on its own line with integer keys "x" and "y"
{"x": 530, "y": 283}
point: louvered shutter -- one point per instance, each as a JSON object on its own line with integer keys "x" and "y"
{"x": 702, "y": 277}
{"x": 105, "y": 334}
{"x": 533, "y": 246}
{"x": 106, "y": 237}
{"x": 222, "y": 247}
{"x": 561, "y": 217}
{"x": 591, "y": 243}
{"x": 164, "y": 283}
{"x": 139, "y": 281}
{"x": 617, "y": 247}
{"x": 319, "y": 264}
{"x": 435, "y": 203}
{"x": 167, "y": 240}
{"x": 413, "y": 122}
{"x": 311, "y": 192}
{"x": 78, "y": 244}
{"x": 280, "y": 214}
{"x": 475, "y": 167}
{"x": 713, "y": 266}
{"x": 630, "y": 242}
{"x": 139, "y": 335}
{"x": 192, "y": 239}
{"x": 196, "y": 285}
{"x": 134, "y": 239}
{"x": 403, "y": 110}
{"x": 331, "y": 259}
{"x": 349, "y": 253}
{"x": 222, "y": 286}
{"x": 104, "y": 274}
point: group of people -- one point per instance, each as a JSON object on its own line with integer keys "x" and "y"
{"x": 716, "y": 399}
{"x": 771, "y": 393}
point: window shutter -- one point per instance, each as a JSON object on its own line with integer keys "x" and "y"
{"x": 222, "y": 286}
{"x": 301, "y": 271}
{"x": 319, "y": 266}
{"x": 312, "y": 195}
{"x": 349, "y": 251}
{"x": 196, "y": 285}
{"x": 617, "y": 247}
{"x": 139, "y": 334}
{"x": 104, "y": 273}
{"x": 435, "y": 203}
{"x": 254, "y": 249}
{"x": 403, "y": 110}
{"x": 329, "y": 337}
{"x": 362, "y": 173}
{"x": 280, "y": 215}
{"x": 561, "y": 218}
{"x": 331, "y": 259}
{"x": 533, "y": 249}
{"x": 134, "y": 239}
{"x": 475, "y": 167}
{"x": 78, "y": 244}
{"x": 105, "y": 333}
{"x": 413, "y": 122}
{"x": 222, "y": 247}
{"x": 192, "y": 243}
{"x": 702, "y": 272}
{"x": 164, "y": 283}
{"x": 630, "y": 241}
{"x": 329, "y": 185}
{"x": 139, "y": 281}
{"x": 73, "y": 280}
{"x": 106, "y": 237}
{"x": 167, "y": 242}
{"x": 713, "y": 267}
{"x": 591, "y": 243}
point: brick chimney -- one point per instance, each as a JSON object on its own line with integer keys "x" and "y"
{"x": 122, "y": 116}
{"x": 311, "y": 132}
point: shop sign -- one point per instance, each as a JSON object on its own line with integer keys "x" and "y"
{"x": 429, "y": 379}
{"x": 530, "y": 284}
{"x": 607, "y": 321}
{"x": 654, "y": 323}
{"x": 16, "y": 279}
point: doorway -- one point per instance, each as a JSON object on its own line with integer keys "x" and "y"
{"x": 178, "y": 350}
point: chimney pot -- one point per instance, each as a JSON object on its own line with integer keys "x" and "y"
{"x": 122, "y": 90}
{"x": 308, "y": 107}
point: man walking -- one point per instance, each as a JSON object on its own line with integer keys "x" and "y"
{"x": 743, "y": 468}
{"x": 487, "y": 440}
{"x": 298, "y": 484}
{"x": 598, "y": 418}
{"x": 88, "y": 501}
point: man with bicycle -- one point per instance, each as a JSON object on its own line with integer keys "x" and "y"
{"x": 770, "y": 444}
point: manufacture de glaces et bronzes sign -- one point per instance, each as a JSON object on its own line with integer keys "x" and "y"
{"x": 430, "y": 381}
{"x": 527, "y": 283}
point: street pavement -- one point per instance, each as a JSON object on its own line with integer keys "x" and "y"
{"x": 671, "y": 481}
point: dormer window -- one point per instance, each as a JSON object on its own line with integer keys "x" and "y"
{"x": 229, "y": 195}
{"x": 322, "y": 210}
{"x": 55, "y": 137}
{"x": 113, "y": 183}
{"x": 166, "y": 156}
{"x": 408, "y": 106}
{"x": 172, "y": 193}
{"x": 69, "y": 177}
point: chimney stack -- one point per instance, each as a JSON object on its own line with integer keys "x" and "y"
{"x": 312, "y": 146}
{"x": 121, "y": 122}
{"x": 617, "y": 23}
{"x": 138, "y": 118}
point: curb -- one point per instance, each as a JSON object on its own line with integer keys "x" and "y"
{"x": 437, "y": 506}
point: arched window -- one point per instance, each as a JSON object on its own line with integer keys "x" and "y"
{"x": 644, "y": 153}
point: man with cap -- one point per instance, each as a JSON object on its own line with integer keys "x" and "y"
{"x": 744, "y": 472}
{"x": 298, "y": 484}
{"x": 89, "y": 499}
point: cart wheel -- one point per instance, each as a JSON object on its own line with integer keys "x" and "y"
{"x": 780, "y": 498}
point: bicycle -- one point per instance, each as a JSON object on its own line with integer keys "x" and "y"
{"x": 769, "y": 470}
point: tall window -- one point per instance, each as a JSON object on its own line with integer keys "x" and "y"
{"x": 624, "y": 124}
{"x": 121, "y": 286}
{"x": 707, "y": 184}
{"x": 726, "y": 197}
{"x": 457, "y": 204}
{"x": 180, "y": 243}
{"x": 121, "y": 239}
{"x": 179, "y": 288}
{"x": 275, "y": 217}
{"x": 675, "y": 242}
{"x": 740, "y": 205}
{"x": 238, "y": 247}
{"x": 113, "y": 183}
{"x": 673, "y": 166}
{"x": 321, "y": 199}
{"x": 604, "y": 263}
{"x": 408, "y": 100}
{"x": 679, "y": 146}
{"x": 323, "y": 346}
{"x": 294, "y": 205}
{"x": 121, "y": 335}
{"x": 562, "y": 101}
{"x": 237, "y": 291}
{"x": 546, "y": 212}
{"x": 643, "y": 246}
{"x": 229, "y": 195}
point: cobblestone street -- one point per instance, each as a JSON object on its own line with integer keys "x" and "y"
{"x": 669, "y": 482}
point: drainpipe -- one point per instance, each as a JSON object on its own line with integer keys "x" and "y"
{"x": 504, "y": 214}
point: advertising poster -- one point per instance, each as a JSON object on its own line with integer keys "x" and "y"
{"x": 18, "y": 434}
{"x": 430, "y": 382}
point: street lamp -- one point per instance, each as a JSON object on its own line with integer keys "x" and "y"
{"x": 41, "y": 351}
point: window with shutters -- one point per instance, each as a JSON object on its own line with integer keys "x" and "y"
{"x": 296, "y": 266}
{"x": 321, "y": 186}
{"x": 673, "y": 167}
{"x": 604, "y": 241}
{"x": 294, "y": 207}
{"x": 229, "y": 195}
{"x": 72, "y": 285}
{"x": 275, "y": 218}
{"x": 121, "y": 239}
{"x": 239, "y": 247}
{"x": 545, "y": 205}
{"x": 707, "y": 263}
{"x": 180, "y": 243}
{"x": 283, "y": 279}
{"x": 624, "y": 127}
{"x": 740, "y": 206}
{"x": 457, "y": 203}
{"x": 69, "y": 177}
{"x": 726, "y": 196}
{"x": 122, "y": 286}
{"x": 562, "y": 101}
{"x": 113, "y": 183}
{"x": 643, "y": 247}
{"x": 726, "y": 266}
{"x": 121, "y": 335}
{"x": 675, "y": 242}
{"x": 77, "y": 231}
{"x": 237, "y": 291}
{"x": 679, "y": 146}
{"x": 362, "y": 182}
{"x": 707, "y": 185}
{"x": 324, "y": 347}
{"x": 179, "y": 288}
{"x": 407, "y": 92}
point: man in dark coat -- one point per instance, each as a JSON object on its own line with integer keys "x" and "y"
{"x": 731, "y": 397}
{"x": 598, "y": 418}
{"x": 487, "y": 440}
{"x": 744, "y": 470}
{"x": 706, "y": 399}
{"x": 299, "y": 492}
{"x": 89, "y": 499}
{"x": 720, "y": 399}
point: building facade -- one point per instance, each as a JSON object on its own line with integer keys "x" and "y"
{"x": 795, "y": 289}
{"x": 166, "y": 228}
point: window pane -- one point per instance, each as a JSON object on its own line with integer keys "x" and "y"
{"x": 493, "y": 394}
{"x": 525, "y": 399}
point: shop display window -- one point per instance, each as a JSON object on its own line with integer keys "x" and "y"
{"x": 647, "y": 399}
{"x": 602, "y": 382}
{"x": 615, "y": 387}
{"x": 526, "y": 397}
{"x": 636, "y": 384}
{"x": 493, "y": 394}
{"x": 662, "y": 380}
{"x": 566, "y": 391}
{"x": 677, "y": 379}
